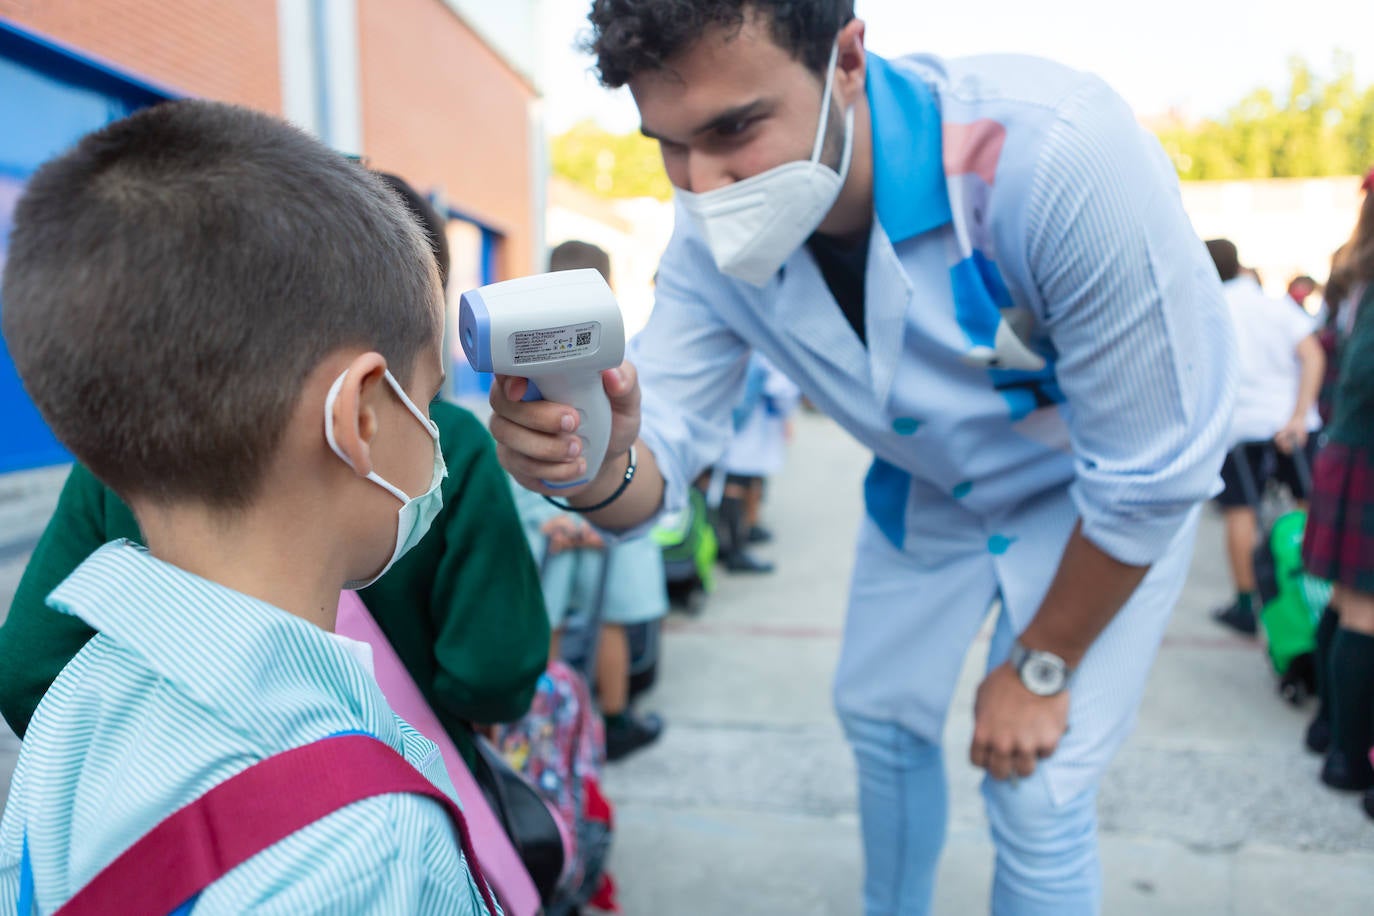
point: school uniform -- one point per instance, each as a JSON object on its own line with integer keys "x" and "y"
{"x": 1269, "y": 373}
{"x": 636, "y": 589}
{"x": 463, "y": 608}
{"x": 759, "y": 446}
{"x": 1339, "y": 541}
{"x": 187, "y": 684}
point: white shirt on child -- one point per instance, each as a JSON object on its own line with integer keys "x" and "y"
{"x": 1268, "y": 331}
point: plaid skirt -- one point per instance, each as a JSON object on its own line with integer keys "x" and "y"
{"x": 1339, "y": 543}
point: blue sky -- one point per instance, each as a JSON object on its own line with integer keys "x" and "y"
{"x": 1197, "y": 55}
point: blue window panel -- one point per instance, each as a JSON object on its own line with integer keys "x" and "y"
{"x": 50, "y": 96}
{"x": 466, "y": 383}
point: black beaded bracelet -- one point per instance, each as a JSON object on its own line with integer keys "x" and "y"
{"x": 619, "y": 491}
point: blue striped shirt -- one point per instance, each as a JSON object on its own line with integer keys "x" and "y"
{"x": 1020, "y": 211}
{"x": 187, "y": 684}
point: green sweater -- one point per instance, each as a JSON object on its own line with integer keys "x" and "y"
{"x": 463, "y": 608}
{"x": 1352, "y": 420}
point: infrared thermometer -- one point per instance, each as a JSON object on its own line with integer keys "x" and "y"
{"x": 559, "y": 330}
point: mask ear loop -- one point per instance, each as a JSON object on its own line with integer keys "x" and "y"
{"x": 425, "y": 421}
{"x": 373, "y": 476}
{"x": 848, "y": 143}
{"x": 825, "y": 101}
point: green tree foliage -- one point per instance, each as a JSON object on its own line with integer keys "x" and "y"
{"x": 611, "y": 165}
{"x": 1316, "y": 127}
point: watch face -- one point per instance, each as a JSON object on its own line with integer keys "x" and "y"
{"x": 1042, "y": 676}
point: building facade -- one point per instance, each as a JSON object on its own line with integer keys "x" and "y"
{"x": 421, "y": 88}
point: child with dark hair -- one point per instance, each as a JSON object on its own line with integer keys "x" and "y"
{"x": 272, "y": 446}
{"x": 573, "y": 554}
{"x": 1339, "y": 544}
{"x": 1279, "y": 373}
{"x": 1300, "y": 287}
{"x": 463, "y": 609}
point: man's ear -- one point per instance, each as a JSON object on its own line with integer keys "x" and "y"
{"x": 851, "y": 65}
{"x": 355, "y": 410}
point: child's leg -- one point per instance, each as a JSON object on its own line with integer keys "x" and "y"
{"x": 753, "y": 502}
{"x": 613, "y": 670}
{"x": 1242, "y": 531}
{"x": 1241, "y": 528}
{"x": 1318, "y": 736}
{"x": 635, "y": 592}
{"x": 1352, "y": 695}
{"x": 734, "y": 535}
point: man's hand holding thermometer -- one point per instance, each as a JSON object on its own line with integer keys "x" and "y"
{"x": 565, "y": 406}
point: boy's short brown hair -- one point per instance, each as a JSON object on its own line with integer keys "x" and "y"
{"x": 174, "y": 278}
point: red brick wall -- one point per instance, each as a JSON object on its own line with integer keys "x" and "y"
{"x": 441, "y": 109}
{"x": 221, "y": 49}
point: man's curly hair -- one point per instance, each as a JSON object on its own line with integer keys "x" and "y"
{"x": 630, "y": 37}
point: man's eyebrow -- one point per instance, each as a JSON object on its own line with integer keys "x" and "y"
{"x": 722, "y": 119}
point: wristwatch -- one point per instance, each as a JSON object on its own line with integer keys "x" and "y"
{"x": 1044, "y": 673}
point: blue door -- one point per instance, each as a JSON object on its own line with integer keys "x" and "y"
{"x": 49, "y": 97}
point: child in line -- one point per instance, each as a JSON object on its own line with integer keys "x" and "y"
{"x": 572, "y": 555}
{"x": 463, "y": 609}
{"x": 1339, "y": 543}
{"x": 232, "y": 327}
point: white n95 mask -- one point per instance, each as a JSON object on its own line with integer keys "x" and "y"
{"x": 753, "y": 226}
{"x": 416, "y": 513}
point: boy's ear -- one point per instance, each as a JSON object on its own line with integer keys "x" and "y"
{"x": 355, "y": 410}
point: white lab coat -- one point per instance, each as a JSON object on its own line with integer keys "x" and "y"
{"x": 1048, "y": 345}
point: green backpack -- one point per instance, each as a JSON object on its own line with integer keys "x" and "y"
{"x": 689, "y": 545}
{"x": 1292, "y": 599}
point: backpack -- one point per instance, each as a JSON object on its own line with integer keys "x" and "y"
{"x": 166, "y": 869}
{"x": 560, "y": 747}
{"x": 1291, "y": 599}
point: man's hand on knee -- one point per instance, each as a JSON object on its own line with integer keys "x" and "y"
{"x": 1013, "y": 728}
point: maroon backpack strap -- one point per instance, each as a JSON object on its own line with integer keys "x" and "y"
{"x": 250, "y": 811}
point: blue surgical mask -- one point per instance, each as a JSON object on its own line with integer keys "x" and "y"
{"x": 416, "y": 513}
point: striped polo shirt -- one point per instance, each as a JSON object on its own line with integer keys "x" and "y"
{"x": 187, "y": 684}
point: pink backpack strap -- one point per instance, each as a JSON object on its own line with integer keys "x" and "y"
{"x": 250, "y": 811}
{"x": 500, "y": 861}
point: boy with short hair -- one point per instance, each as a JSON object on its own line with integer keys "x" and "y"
{"x": 464, "y": 609}
{"x": 231, "y": 326}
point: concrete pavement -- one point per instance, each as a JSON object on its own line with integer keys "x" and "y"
{"x": 747, "y": 804}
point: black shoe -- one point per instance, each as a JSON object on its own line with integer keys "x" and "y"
{"x": 1237, "y": 618}
{"x": 627, "y": 734}
{"x": 1369, "y": 803}
{"x": 758, "y": 535}
{"x": 1338, "y": 772}
{"x": 741, "y": 562}
{"x": 1318, "y": 737}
